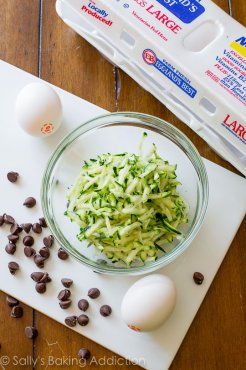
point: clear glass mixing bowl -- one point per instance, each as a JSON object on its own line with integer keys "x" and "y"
{"x": 116, "y": 133}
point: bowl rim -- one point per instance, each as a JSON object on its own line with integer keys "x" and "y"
{"x": 172, "y": 132}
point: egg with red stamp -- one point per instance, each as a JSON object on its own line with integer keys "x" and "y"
{"x": 38, "y": 109}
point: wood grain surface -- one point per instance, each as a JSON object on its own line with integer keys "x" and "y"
{"x": 33, "y": 38}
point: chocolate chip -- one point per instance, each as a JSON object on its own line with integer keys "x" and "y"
{"x": 26, "y": 227}
{"x": 8, "y": 219}
{"x": 84, "y": 354}
{"x": 65, "y": 304}
{"x": 29, "y": 202}
{"x": 29, "y": 251}
{"x": 11, "y": 301}
{"x": 39, "y": 260}
{"x": 1, "y": 220}
{"x": 13, "y": 267}
{"x": 45, "y": 278}
{"x": 31, "y": 332}
{"x": 48, "y": 241}
{"x": 17, "y": 312}
{"x": 42, "y": 222}
{"x": 13, "y": 238}
{"x": 64, "y": 295}
{"x": 105, "y": 310}
{"x": 10, "y": 248}
{"x": 83, "y": 320}
{"x": 71, "y": 321}
{"x": 37, "y": 276}
{"x": 44, "y": 252}
{"x": 66, "y": 282}
{"x": 28, "y": 240}
{"x": 198, "y": 278}
{"x": 83, "y": 304}
{"x": 15, "y": 229}
{"x": 36, "y": 228}
{"x": 62, "y": 254}
{"x": 12, "y": 176}
{"x": 40, "y": 288}
{"x": 94, "y": 293}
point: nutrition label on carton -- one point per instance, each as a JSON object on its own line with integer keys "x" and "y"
{"x": 229, "y": 69}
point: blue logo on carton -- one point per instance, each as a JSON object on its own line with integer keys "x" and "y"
{"x": 186, "y": 10}
{"x": 170, "y": 72}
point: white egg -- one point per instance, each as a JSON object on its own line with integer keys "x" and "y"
{"x": 38, "y": 109}
{"x": 148, "y": 302}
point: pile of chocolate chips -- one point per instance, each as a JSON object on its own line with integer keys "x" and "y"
{"x": 83, "y": 305}
{"x": 42, "y": 278}
{"x": 28, "y": 241}
{"x": 16, "y": 229}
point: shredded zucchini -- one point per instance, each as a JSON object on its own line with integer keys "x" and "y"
{"x": 127, "y": 205}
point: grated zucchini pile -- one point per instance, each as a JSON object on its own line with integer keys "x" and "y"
{"x": 127, "y": 205}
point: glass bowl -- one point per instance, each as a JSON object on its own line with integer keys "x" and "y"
{"x": 116, "y": 133}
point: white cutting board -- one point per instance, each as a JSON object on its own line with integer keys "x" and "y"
{"x": 26, "y": 155}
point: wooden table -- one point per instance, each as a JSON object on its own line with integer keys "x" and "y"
{"x": 33, "y": 38}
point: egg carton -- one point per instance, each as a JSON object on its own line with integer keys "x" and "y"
{"x": 189, "y": 54}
